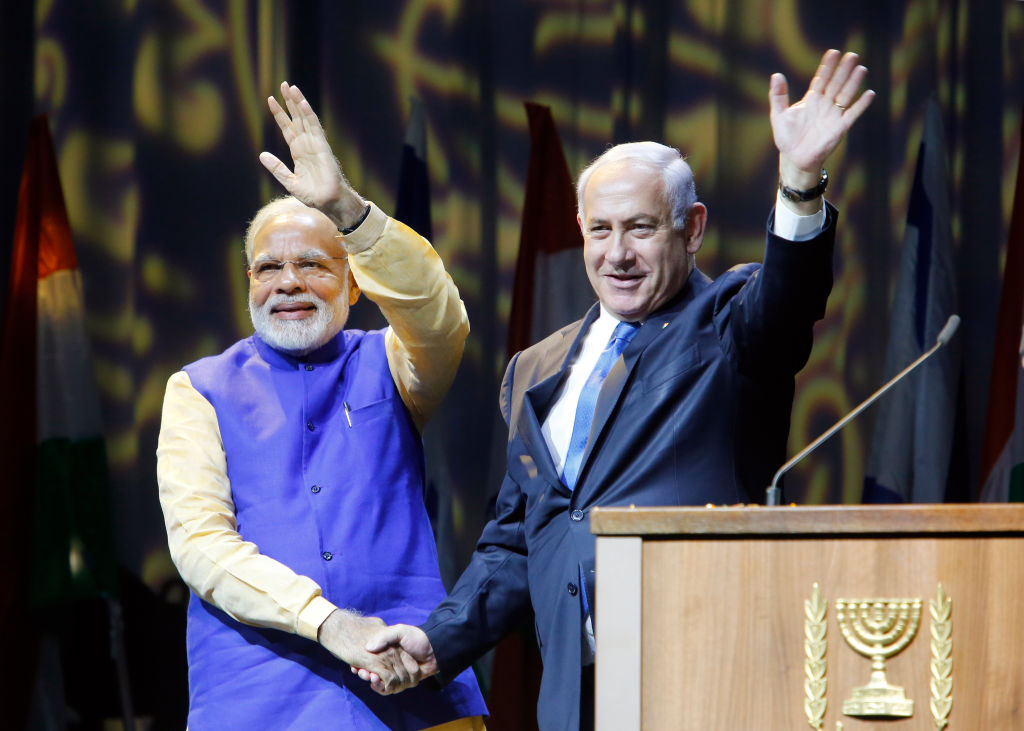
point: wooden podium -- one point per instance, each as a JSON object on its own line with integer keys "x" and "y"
{"x": 726, "y": 619}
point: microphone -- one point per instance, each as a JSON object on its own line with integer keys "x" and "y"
{"x": 773, "y": 495}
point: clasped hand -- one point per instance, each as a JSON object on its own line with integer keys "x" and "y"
{"x": 410, "y": 646}
{"x": 391, "y": 659}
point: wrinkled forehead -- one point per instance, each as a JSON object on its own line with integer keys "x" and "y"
{"x": 625, "y": 185}
{"x": 297, "y": 234}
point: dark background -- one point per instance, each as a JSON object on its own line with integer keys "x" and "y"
{"x": 158, "y": 113}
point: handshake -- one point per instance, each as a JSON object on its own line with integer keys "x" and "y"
{"x": 392, "y": 658}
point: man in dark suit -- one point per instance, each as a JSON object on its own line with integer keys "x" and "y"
{"x": 673, "y": 390}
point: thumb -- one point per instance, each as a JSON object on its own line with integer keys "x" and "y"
{"x": 778, "y": 93}
{"x": 385, "y": 638}
{"x": 277, "y": 168}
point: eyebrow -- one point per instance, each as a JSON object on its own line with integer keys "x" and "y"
{"x": 307, "y": 254}
{"x": 638, "y": 218}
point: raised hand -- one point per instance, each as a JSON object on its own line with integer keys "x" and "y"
{"x": 317, "y": 179}
{"x": 346, "y": 635}
{"x": 808, "y": 131}
{"x": 415, "y": 649}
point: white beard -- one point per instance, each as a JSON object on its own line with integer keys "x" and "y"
{"x": 297, "y": 337}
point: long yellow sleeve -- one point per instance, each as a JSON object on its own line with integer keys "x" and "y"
{"x": 199, "y": 515}
{"x": 401, "y": 273}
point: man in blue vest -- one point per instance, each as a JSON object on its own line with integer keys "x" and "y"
{"x": 291, "y": 468}
{"x": 674, "y": 389}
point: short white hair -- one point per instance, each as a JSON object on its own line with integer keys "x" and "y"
{"x": 680, "y": 190}
{"x": 273, "y": 209}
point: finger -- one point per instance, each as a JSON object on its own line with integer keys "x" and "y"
{"x": 848, "y": 92}
{"x": 824, "y": 71}
{"x": 841, "y": 75}
{"x": 403, "y": 674}
{"x": 292, "y": 103}
{"x": 277, "y": 168}
{"x": 308, "y": 118}
{"x": 385, "y": 638}
{"x": 412, "y": 667}
{"x": 778, "y": 93}
{"x": 374, "y": 666}
{"x": 385, "y": 677}
{"x": 310, "y": 121}
{"x": 853, "y": 112}
{"x": 302, "y": 111}
{"x": 283, "y": 122}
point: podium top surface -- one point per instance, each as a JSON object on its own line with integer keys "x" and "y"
{"x": 981, "y": 518}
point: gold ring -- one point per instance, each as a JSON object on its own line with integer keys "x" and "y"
{"x": 837, "y": 104}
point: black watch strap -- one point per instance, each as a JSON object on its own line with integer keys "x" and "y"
{"x": 802, "y": 196}
{"x": 353, "y": 227}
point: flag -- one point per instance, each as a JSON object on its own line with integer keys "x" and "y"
{"x": 914, "y": 430}
{"x": 57, "y": 528}
{"x": 551, "y": 289}
{"x": 18, "y": 440}
{"x": 412, "y": 208}
{"x": 1002, "y": 457}
{"x": 72, "y": 531}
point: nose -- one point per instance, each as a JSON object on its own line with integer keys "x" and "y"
{"x": 289, "y": 280}
{"x": 620, "y": 253}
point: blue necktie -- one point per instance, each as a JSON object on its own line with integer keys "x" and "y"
{"x": 624, "y": 332}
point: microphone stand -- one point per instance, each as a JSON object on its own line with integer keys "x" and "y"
{"x": 773, "y": 496}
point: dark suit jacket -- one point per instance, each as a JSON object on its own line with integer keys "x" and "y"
{"x": 695, "y": 411}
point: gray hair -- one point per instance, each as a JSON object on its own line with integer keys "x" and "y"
{"x": 273, "y": 209}
{"x": 680, "y": 190}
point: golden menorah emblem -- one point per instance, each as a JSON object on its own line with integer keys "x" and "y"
{"x": 878, "y": 629}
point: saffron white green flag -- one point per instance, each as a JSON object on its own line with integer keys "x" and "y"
{"x": 56, "y": 535}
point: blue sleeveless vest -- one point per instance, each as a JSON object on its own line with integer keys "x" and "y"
{"x": 326, "y": 470}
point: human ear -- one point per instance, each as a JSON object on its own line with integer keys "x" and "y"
{"x": 696, "y": 221}
{"x": 353, "y": 289}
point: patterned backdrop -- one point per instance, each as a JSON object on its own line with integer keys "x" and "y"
{"x": 158, "y": 114}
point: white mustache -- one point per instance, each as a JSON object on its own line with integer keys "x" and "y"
{"x": 279, "y": 299}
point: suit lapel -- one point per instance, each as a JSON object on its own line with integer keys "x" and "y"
{"x": 546, "y": 378}
{"x": 614, "y": 385}
{"x": 535, "y": 407}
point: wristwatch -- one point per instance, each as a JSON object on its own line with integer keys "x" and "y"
{"x": 358, "y": 223}
{"x": 802, "y": 196}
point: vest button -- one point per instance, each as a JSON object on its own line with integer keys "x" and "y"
{"x": 572, "y": 589}
{"x": 327, "y": 555}
{"x": 309, "y": 425}
{"x": 576, "y": 515}
{"x": 309, "y": 367}
{"x": 315, "y": 489}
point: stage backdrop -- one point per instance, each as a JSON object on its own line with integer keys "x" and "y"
{"x": 158, "y": 114}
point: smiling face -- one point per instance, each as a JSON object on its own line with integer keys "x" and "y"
{"x": 635, "y": 259}
{"x": 300, "y": 307}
